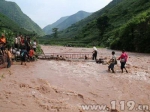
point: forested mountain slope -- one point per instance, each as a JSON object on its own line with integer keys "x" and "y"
{"x": 13, "y": 11}
{"x": 123, "y": 24}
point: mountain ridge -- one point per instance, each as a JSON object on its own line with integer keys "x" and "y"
{"x": 66, "y": 21}
{"x": 48, "y": 29}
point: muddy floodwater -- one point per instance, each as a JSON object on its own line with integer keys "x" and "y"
{"x": 76, "y": 86}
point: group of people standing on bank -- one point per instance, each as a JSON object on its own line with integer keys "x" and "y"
{"x": 23, "y": 48}
{"x": 113, "y": 61}
{"x": 21, "y": 41}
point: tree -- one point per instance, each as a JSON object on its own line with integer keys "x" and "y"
{"x": 102, "y": 24}
{"x": 55, "y": 30}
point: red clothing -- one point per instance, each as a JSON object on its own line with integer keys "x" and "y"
{"x": 124, "y": 56}
{"x": 31, "y": 53}
{"x": 22, "y": 41}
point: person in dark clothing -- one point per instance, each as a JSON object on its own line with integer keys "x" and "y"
{"x": 94, "y": 57}
{"x": 23, "y": 55}
{"x": 27, "y": 44}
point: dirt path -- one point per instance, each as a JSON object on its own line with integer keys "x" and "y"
{"x": 60, "y": 86}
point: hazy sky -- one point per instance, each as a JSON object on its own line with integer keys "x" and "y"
{"x": 45, "y": 12}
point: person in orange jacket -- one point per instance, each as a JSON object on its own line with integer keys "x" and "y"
{"x": 31, "y": 54}
{"x": 2, "y": 43}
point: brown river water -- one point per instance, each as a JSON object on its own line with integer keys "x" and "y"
{"x": 67, "y": 86}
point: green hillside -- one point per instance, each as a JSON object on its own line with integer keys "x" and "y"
{"x": 8, "y": 24}
{"x": 121, "y": 24}
{"x": 13, "y": 11}
{"x": 73, "y": 19}
{"x": 11, "y": 29}
{"x": 88, "y": 22}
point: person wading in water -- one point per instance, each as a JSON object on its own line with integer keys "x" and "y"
{"x": 123, "y": 59}
{"x": 94, "y": 53}
{"x": 112, "y": 62}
